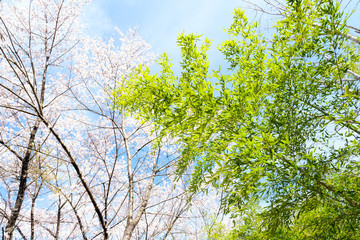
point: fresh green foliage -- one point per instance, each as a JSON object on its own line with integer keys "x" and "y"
{"x": 280, "y": 125}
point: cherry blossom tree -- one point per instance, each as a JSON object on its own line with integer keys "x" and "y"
{"x": 72, "y": 165}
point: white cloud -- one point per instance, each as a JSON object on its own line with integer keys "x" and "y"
{"x": 96, "y": 19}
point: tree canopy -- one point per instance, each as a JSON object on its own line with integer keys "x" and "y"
{"x": 72, "y": 166}
{"x": 278, "y": 126}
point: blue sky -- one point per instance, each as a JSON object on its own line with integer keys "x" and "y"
{"x": 160, "y": 21}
